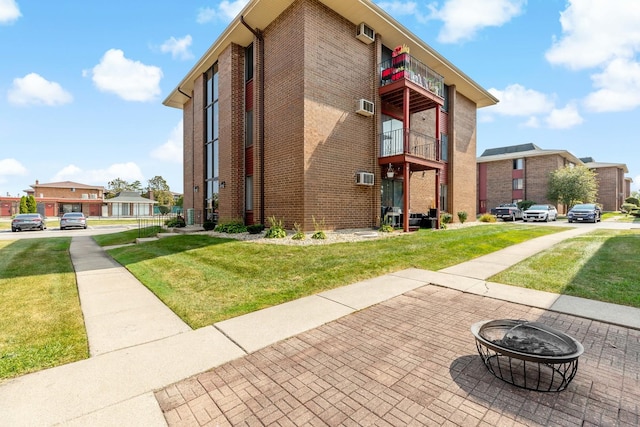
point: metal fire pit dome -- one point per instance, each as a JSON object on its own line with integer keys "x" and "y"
{"x": 526, "y": 354}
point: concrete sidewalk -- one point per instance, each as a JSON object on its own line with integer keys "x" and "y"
{"x": 135, "y": 355}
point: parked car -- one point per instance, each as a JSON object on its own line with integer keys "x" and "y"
{"x": 540, "y": 213}
{"x": 507, "y": 211}
{"x": 73, "y": 219}
{"x": 585, "y": 212}
{"x": 30, "y": 221}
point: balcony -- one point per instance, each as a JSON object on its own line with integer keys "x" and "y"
{"x": 404, "y": 71}
{"x": 419, "y": 147}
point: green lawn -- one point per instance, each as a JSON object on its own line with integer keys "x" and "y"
{"x": 205, "y": 279}
{"x": 42, "y": 324}
{"x": 601, "y": 265}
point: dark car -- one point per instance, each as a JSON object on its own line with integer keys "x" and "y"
{"x": 31, "y": 221}
{"x": 73, "y": 219}
{"x": 585, "y": 212}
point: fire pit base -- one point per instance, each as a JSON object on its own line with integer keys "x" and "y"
{"x": 528, "y": 355}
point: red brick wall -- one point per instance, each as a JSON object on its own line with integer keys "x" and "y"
{"x": 610, "y": 188}
{"x": 187, "y": 155}
{"x": 536, "y": 172}
{"x": 499, "y": 183}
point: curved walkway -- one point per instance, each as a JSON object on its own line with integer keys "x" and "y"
{"x": 393, "y": 350}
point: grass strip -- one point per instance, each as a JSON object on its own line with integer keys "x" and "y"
{"x": 42, "y": 324}
{"x": 601, "y": 265}
{"x": 205, "y": 279}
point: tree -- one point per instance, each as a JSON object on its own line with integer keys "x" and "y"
{"x": 160, "y": 190}
{"x": 23, "y": 205}
{"x": 32, "y": 205}
{"x": 571, "y": 185}
{"x": 119, "y": 185}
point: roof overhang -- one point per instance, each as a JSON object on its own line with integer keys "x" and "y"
{"x": 525, "y": 154}
{"x": 260, "y": 13}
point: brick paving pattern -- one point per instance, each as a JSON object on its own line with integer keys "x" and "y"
{"x": 410, "y": 361}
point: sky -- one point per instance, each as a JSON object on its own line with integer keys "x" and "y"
{"x": 82, "y": 82}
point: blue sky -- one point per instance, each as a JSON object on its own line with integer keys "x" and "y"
{"x": 82, "y": 82}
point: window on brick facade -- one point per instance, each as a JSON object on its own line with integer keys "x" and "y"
{"x": 248, "y": 128}
{"x": 444, "y": 198}
{"x": 444, "y": 146}
{"x": 518, "y": 164}
{"x": 518, "y": 184}
{"x": 248, "y": 193}
{"x": 445, "y": 95}
{"x": 248, "y": 63}
{"x": 212, "y": 160}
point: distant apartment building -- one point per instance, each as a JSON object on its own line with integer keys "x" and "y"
{"x": 613, "y": 187}
{"x": 326, "y": 110}
{"x": 521, "y": 172}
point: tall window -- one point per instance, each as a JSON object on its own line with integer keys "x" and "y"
{"x": 518, "y": 164}
{"x": 212, "y": 142}
{"x": 444, "y": 198}
{"x": 444, "y": 146}
{"x": 445, "y": 95}
{"x": 518, "y": 184}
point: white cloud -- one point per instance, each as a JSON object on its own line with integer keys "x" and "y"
{"x": 33, "y": 89}
{"x": 126, "y": 171}
{"x": 171, "y": 151}
{"x": 595, "y": 32}
{"x": 179, "y": 48}
{"x": 10, "y": 167}
{"x": 516, "y": 100}
{"x": 227, "y": 10}
{"x": 130, "y": 80}
{"x": 532, "y": 122}
{"x": 618, "y": 87}
{"x": 402, "y": 8}
{"x": 564, "y": 118}
{"x": 464, "y": 18}
{"x": 9, "y": 11}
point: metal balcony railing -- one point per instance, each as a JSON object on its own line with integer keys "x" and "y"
{"x": 419, "y": 145}
{"x": 406, "y": 67}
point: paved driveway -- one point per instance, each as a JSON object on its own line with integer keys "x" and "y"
{"x": 411, "y": 361}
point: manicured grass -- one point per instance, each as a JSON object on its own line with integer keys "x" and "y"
{"x": 601, "y": 265}
{"x": 42, "y": 324}
{"x": 205, "y": 279}
{"x": 126, "y": 237}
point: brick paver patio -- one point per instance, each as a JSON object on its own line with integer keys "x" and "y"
{"x": 411, "y": 361}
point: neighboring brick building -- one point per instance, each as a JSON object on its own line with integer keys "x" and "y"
{"x": 56, "y": 198}
{"x": 612, "y": 185}
{"x": 326, "y": 110}
{"x": 521, "y": 172}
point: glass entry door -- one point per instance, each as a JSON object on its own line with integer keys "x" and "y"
{"x": 391, "y": 201}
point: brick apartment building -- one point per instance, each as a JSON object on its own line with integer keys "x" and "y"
{"x": 613, "y": 187}
{"x": 56, "y": 198}
{"x": 328, "y": 110}
{"x": 521, "y": 172}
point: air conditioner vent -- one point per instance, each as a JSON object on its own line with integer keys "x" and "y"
{"x": 365, "y": 33}
{"x": 364, "y": 178}
{"x": 365, "y": 107}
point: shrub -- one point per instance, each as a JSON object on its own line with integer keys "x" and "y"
{"x": 525, "y": 204}
{"x": 231, "y": 227}
{"x": 175, "y": 222}
{"x": 298, "y": 233}
{"x": 635, "y": 212}
{"x": 462, "y": 216}
{"x": 632, "y": 200}
{"x": 255, "y": 228}
{"x": 209, "y": 225}
{"x": 276, "y": 231}
{"x": 164, "y": 209}
{"x": 445, "y": 218}
{"x": 628, "y": 207}
{"x": 318, "y": 227}
{"x": 487, "y": 218}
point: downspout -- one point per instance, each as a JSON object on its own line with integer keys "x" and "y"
{"x": 259, "y": 35}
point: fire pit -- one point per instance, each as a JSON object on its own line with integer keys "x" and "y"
{"x": 526, "y": 354}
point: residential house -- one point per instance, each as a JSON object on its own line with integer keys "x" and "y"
{"x": 130, "y": 204}
{"x": 613, "y": 187}
{"x": 56, "y": 198}
{"x": 326, "y": 110}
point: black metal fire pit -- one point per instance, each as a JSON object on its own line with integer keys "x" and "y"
{"x": 526, "y": 354}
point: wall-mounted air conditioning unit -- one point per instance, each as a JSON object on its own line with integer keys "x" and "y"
{"x": 365, "y": 33}
{"x": 364, "y": 178}
{"x": 364, "y": 107}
